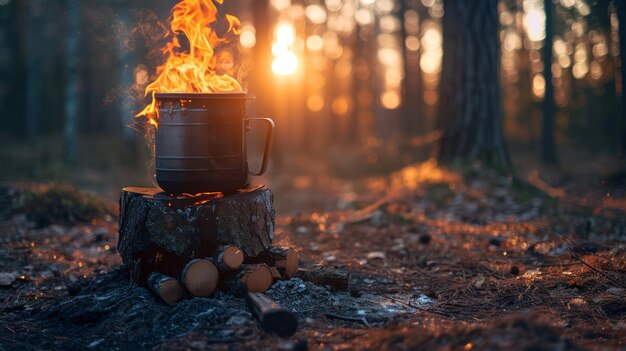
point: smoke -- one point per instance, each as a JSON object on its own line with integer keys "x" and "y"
{"x": 138, "y": 35}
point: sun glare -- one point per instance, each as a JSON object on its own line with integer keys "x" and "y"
{"x": 285, "y": 61}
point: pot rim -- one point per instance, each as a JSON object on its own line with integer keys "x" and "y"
{"x": 195, "y": 95}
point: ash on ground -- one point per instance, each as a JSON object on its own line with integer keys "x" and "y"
{"x": 109, "y": 313}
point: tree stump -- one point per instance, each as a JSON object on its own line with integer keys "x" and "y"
{"x": 162, "y": 232}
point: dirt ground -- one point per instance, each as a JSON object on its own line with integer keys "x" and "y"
{"x": 439, "y": 261}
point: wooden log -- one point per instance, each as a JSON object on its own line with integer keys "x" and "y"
{"x": 200, "y": 277}
{"x": 153, "y": 222}
{"x": 276, "y": 276}
{"x": 167, "y": 288}
{"x": 336, "y": 278}
{"x": 228, "y": 258}
{"x": 250, "y": 277}
{"x": 284, "y": 259}
{"x": 274, "y": 318}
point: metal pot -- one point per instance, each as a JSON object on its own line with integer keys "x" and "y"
{"x": 200, "y": 142}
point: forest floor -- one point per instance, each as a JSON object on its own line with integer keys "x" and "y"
{"x": 439, "y": 260}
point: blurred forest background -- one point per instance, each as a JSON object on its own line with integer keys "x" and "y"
{"x": 354, "y": 85}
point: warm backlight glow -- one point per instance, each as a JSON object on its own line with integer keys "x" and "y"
{"x": 314, "y": 43}
{"x": 390, "y": 100}
{"x": 285, "y": 64}
{"x": 315, "y": 103}
{"x": 534, "y": 20}
{"x": 247, "y": 39}
{"x": 285, "y": 34}
{"x": 200, "y": 68}
{"x": 285, "y": 60}
{"x": 539, "y": 86}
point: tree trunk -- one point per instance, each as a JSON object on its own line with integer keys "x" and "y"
{"x": 8, "y": 67}
{"x": 548, "y": 150}
{"x": 33, "y": 71}
{"x": 621, "y": 15}
{"x": 413, "y": 112}
{"x": 353, "y": 118}
{"x": 162, "y": 233}
{"x": 71, "y": 84}
{"x": 470, "y": 112}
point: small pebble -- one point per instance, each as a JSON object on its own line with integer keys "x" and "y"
{"x": 514, "y": 270}
{"x": 425, "y": 239}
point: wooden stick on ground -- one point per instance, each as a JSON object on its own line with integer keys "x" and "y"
{"x": 228, "y": 258}
{"x": 250, "y": 277}
{"x": 167, "y": 288}
{"x": 336, "y": 278}
{"x": 200, "y": 277}
{"x": 274, "y": 318}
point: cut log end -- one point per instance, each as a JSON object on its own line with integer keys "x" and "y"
{"x": 283, "y": 258}
{"x": 259, "y": 279}
{"x": 171, "y": 291}
{"x": 231, "y": 257}
{"x": 200, "y": 277}
{"x": 167, "y": 288}
{"x": 291, "y": 263}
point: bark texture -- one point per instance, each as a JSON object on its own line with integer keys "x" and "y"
{"x": 470, "y": 110}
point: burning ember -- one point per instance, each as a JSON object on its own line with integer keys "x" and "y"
{"x": 195, "y": 69}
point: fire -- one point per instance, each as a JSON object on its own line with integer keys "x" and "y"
{"x": 197, "y": 69}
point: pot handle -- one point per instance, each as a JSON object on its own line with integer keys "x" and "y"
{"x": 268, "y": 143}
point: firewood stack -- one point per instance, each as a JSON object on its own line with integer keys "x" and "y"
{"x": 178, "y": 246}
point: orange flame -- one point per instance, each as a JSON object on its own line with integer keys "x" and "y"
{"x": 193, "y": 70}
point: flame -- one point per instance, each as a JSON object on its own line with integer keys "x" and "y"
{"x": 194, "y": 70}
